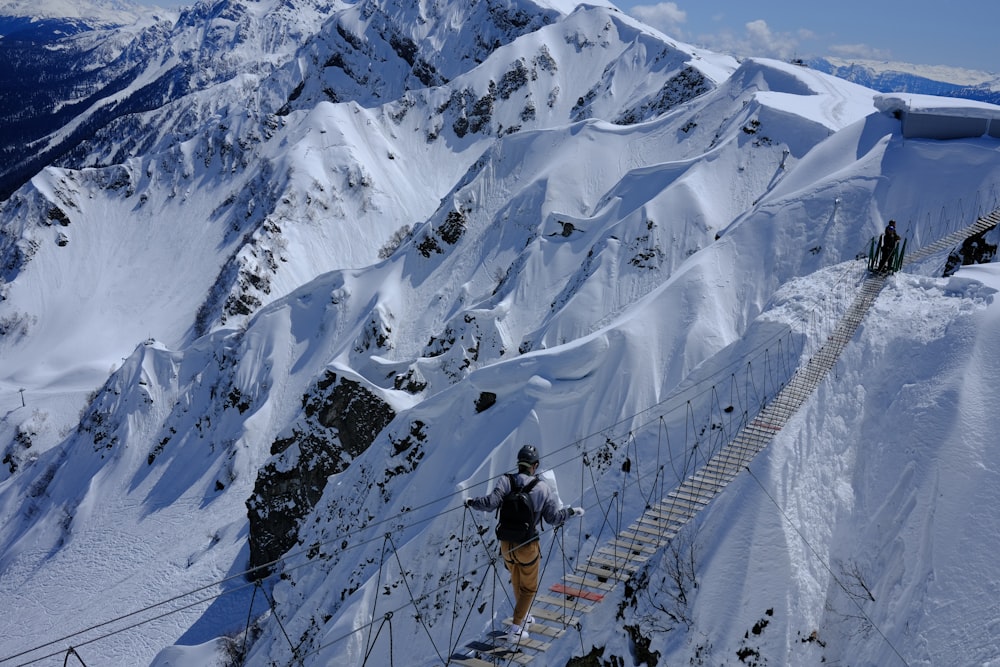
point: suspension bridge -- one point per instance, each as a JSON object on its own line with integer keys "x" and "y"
{"x": 621, "y": 557}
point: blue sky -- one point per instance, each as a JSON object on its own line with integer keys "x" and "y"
{"x": 916, "y": 31}
{"x": 960, "y": 33}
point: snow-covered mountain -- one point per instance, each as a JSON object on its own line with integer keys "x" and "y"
{"x": 91, "y": 13}
{"x": 890, "y": 77}
{"x": 303, "y": 275}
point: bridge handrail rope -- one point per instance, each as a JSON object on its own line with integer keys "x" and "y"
{"x": 753, "y": 433}
{"x": 761, "y": 430}
{"x": 312, "y": 549}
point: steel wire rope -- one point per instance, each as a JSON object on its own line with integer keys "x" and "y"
{"x": 282, "y": 559}
{"x": 724, "y": 429}
{"x": 129, "y": 615}
{"x": 454, "y": 603}
{"x": 672, "y": 503}
{"x": 715, "y": 404}
{"x": 370, "y": 645}
{"x": 697, "y": 450}
{"x": 409, "y": 591}
{"x": 132, "y": 626}
{"x": 619, "y": 505}
{"x": 313, "y": 546}
{"x": 445, "y": 584}
{"x": 604, "y": 511}
{"x": 763, "y": 346}
{"x": 287, "y": 557}
{"x": 704, "y": 437}
{"x": 411, "y": 601}
{"x": 633, "y": 540}
{"x": 657, "y": 473}
{"x": 663, "y": 428}
{"x": 647, "y": 502}
{"x": 769, "y": 374}
{"x": 306, "y": 549}
{"x": 564, "y": 558}
{"x": 825, "y": 565}
{"x": 246, "y": 631}
{"x": 72, "y": 652}
{"x": 630, "y": 442}
{"x": 659, "y": 465}
{"x": 106, "y": 635}
{"x": 690, "y": 430}
{"x": 646, "y": 497}
{"x": 378, "y": 586}
{"x": 659, "y": 441}
{"x": 628, "y": 439}
{"x": 492, "y": 558}
{"x": 545, "y": 566}
{"x": 759, "y": 405}
{"x": 733, "y": 391}
{"x": 454, "y": 646}
{"x": 673, "y": 397}
{"x": 274, "y": 610}
{"x": 583, "y": 483}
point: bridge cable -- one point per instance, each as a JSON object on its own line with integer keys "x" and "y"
{"x": 287, "y": 557}
{"x": 825, "y": 565}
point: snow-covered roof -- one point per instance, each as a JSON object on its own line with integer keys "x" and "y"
{"x": 933, "y": 117}
{"x": 938, "y": 106}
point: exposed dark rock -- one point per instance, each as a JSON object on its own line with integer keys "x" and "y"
{"x": 485, "y": 401}
{"x": 974, "y": 250}
{"x": 688, "y": 84}
{"x": 341, "y": 420}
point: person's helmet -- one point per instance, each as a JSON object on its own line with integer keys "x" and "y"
{"x": 892, "y": 223}
{"x": 527, "y": 454}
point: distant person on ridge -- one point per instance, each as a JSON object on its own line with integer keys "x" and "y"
{"x": 523, "y": 500}
{"x": 889, "y": 240}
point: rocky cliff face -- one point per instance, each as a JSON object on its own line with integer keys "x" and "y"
{"x": 341, "y": 418}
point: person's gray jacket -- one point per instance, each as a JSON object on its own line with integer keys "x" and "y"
{"x": 542, "y": 500}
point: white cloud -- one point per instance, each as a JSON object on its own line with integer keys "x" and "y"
{"x": 859, "y": 51}
{"x": 760, "y": 39}
{"x": 665, "y": 16}
{"x": 757, "y": 40}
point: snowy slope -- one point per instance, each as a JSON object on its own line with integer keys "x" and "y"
{"x": 95, "y": 12}
{"x": 922, "y": 79}
{"x": 228, "y": 359}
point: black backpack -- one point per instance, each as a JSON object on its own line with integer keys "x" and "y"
{"x": 516, "y": 514}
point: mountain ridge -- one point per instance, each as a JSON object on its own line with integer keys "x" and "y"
{"x": 329, "y": 320}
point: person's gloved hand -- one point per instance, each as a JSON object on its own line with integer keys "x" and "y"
{"x": 576, "y": 511}
{"x": 468, "y": 502}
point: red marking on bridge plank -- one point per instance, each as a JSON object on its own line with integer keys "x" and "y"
{"x": 577, "y": 592}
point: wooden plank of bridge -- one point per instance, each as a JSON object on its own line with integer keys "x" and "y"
{"x": 554, "y": 616}
{"x": 565, "y": 603}
{"x": 633, "y": 545}
{"x": 572, "y": 592}
{"x": 603, "y": 572}
{"x": 538, "y": 627}
{"x": 469, "y": 661}
{"x": 590, "y": 583}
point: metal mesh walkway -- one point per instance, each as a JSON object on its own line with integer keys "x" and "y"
{"x": 953, "y": 239}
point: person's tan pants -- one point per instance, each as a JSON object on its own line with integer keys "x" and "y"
{"x": 523, "y": 562}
